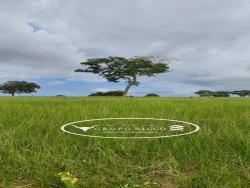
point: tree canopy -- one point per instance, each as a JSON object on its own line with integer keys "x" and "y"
{"x": 221, "y": 94}
{"x": 242, "y": 93}
{"x": 207, "y": 93}
{"x": 13, "y": 87}
{"x": 115, "y": 69}
{"x": 204, "y": 93}
{"x": 108, "y": 93}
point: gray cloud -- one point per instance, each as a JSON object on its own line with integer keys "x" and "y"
{"x": 211, "y": 39}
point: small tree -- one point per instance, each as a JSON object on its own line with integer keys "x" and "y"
{"x": 13, "y": 87}
{"x": 115, "y": 69}
{"x": 204, "y": 93}
{"x": 221, "y": 94}
{"x": 242, "y": 93}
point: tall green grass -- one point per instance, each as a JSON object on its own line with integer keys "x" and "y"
{"x": 33, "y": 149}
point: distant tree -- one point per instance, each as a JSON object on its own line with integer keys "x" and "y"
{"x": 60, "y": 95}
{"x": 13, "y": 87}
{"x": 115, "y": 69}
{"x": 152, "y": 95}
{"x": 242, "y": 93}
{"x": 204, "y": 93}
{"x": 221, "y": 94}
{"x": 108, "y": 93}
{"x": 207, "y": 93}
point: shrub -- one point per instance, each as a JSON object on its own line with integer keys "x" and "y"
{"x": 152, "y": 95}
{"x": 109, "y": 93}
{"x": 60, "y": 95}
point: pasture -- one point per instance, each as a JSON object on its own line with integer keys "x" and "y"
{"x": 33, "y": 149}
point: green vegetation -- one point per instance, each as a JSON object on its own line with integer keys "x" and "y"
{"x": 207, "y": 93}
{"x": 34, "y": 152}
{"x": 242, "y": 93}
{"x": 13, "y": 87}
{"x": 108, "y": 93}
{"x": 152, "y": 95}
{"x": 115, "y": 69}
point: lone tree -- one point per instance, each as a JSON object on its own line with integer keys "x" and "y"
{"x": 242, "y": 93}
{"x": 115, "y": 69}
{"x": 13, "y": 87}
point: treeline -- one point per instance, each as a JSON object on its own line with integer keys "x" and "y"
{"x": 207, "y": 93}
{"x": 119, "y": 93}
{"x": 18, "y": 87}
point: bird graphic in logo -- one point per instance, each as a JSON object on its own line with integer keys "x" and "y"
{"x": 85, "y": 129}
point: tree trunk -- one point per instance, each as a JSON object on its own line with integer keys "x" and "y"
{"x": 12, "y": 94}
{"x": 131, "y": 82}
{"x": 125, "y": 93}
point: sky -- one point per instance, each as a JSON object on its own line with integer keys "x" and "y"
{"x": 44, "y": 41}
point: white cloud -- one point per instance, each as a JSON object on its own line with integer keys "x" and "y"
{"x": 211, "y": 39}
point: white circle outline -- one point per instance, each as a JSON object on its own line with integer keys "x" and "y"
{"x": 197, "y": 128}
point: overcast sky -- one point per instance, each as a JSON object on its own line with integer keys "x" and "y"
{"x": 45, "y": 40}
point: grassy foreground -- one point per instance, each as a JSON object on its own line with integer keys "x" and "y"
{"x": 33, "y": 149}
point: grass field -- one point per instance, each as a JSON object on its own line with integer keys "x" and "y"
{"x": 33, "y": 149}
